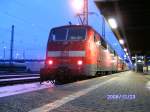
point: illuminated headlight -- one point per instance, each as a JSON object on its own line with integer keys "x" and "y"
{"x": 50, "y": 62}
{"x": 79, "y": 62}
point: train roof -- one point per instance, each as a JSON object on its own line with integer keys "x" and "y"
{"x": 67, "y": 26}
{"x": 84, "y": 26}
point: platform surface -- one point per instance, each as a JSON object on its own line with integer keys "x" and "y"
{"x": 120, "y": 92}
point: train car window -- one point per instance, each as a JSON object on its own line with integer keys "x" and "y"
{"x": 115, "y": 53}
{"x": 95, "y": 37}
{"x": 58, "y": 34}
{"x": 103, "y": 43}
{"x": 76, "y": 34}
{"x": 110, "y": 50}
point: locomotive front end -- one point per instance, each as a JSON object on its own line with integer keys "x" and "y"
{"x": 65, "y": 55}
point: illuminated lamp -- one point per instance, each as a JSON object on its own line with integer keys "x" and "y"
{"x": 50, "y": 62}
{"x": 79, "y": 62}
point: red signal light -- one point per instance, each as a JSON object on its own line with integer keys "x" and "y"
{"x": 79, "y": 62}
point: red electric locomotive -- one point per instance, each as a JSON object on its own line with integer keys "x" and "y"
{"x": 77, "y": 50}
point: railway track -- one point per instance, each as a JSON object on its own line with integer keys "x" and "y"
{"x": 17, "y": 78}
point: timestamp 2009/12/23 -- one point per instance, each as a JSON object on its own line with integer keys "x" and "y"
{"x": 120, "y": 96}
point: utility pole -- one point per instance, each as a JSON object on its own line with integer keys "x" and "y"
{"x": 12, "y": 45}
{"x": 85, "y": 12}
{"x": 4, "y": 52}
{"x": 23, "y": 54}
{"x": 136, "y": 69}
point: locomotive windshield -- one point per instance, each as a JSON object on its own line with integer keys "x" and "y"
{"x": 76, "y": 34}
{"x": 60, "y": 34}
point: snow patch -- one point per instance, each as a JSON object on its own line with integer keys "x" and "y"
{"x": 24, "y": 88}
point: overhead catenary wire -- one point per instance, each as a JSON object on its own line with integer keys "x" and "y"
{"x": 24, "y": 21}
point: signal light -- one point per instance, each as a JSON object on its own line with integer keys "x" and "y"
{"x": 50, "y": 62}
{"x": 79, "y": 62}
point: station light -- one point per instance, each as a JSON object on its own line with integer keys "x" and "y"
{"x": 121, "y": 41}
{"x": 78, "y": 5}
{"x": 139, "y": 61}
{"x": 112, "y": 22}
{"x": 133, "y": 57}
{"x": 125, "y": 56}
{"x": 125, "y": 49}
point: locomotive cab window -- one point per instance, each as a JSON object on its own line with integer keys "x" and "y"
{"x": 110, "y": 49}
{"x": 115, "y": 53}
{"x": 62, "y": 34}
{"x": 76, "y": 34}
{"x": 58, "y": 34}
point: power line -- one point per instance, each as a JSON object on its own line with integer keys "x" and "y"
{"x": 25, "y": 21}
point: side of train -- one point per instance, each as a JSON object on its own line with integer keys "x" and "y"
{"x": 77, "y": 50}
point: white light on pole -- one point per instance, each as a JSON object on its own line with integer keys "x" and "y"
{"x": 112, "y": 22}
{"x": 78, "y": 5}
{"x": 121, "y": 41}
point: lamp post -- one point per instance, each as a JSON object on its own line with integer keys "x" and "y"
{"x": 85, "y": 12}
{"x": 12, "y": 45}
{"x": 4, "y": 52}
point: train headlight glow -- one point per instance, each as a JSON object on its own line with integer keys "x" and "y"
{"x": 79, "y": 62}
{"x": 50, "y": 62}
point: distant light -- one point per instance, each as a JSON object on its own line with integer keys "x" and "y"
{"x": 133, "y": 58}
{"x": 125, "y": 49}
{"x": 134, "y": 64}
{"x": 120, "y": 58}
{"x": 17, "y": 54}
{"x": 121, "y": 41}
{"x": 112, "y": 22}
{"x": 78, "y": 5}
{"x": 127, "y": 54}
{"x": 113, "y": 61}
{"x": 139, "y": 61}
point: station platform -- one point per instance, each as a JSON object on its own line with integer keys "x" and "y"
{"x": 121, "y": 92}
